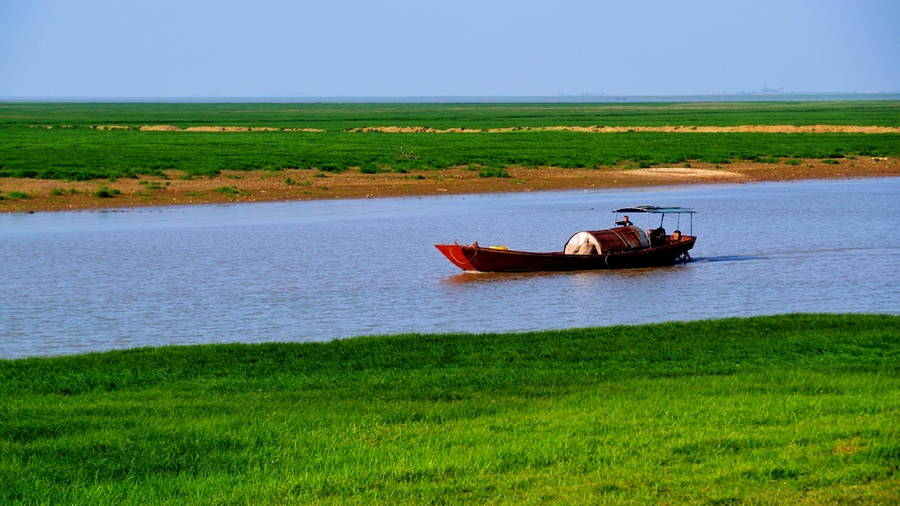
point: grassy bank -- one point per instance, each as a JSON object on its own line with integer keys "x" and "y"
{"x": 87, "y": 154}
{"x": 60, "y": 141}
{"x": 796, "y": 409}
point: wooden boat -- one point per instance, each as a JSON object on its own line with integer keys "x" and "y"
{"x": 624, "y": 246}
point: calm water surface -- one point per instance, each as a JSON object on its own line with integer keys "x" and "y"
{"x": 313, "y": 271}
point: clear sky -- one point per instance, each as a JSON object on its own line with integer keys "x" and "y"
{"x": 401, "y": 48}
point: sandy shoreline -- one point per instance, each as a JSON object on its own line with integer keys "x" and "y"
{"x": 289, "y": 185}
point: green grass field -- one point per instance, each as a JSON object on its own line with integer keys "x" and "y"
{"x": 336, "y": 117}
{"x": 73, "y": 150}
{"x": 801, "y": 409}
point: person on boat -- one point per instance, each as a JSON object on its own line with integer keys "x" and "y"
{"x": 625, "y": 222}
{"x": 657, "y": 236}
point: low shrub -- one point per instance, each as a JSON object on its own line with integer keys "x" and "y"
{"x": 331, "y": 167}
{"x": 105, "y": 193}
{"x": 231, "y": 191}
{"x": 489, "y": 172}
{"x": 370, "y": 168}
{"x": 227, "y": 190}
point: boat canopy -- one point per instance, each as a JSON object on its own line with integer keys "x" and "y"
{"x": 655, "y": 210}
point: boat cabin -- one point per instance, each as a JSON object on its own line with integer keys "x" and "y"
{"x": 625, "y": 236}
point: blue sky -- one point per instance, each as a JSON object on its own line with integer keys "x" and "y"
{"x": 399, "y": 48}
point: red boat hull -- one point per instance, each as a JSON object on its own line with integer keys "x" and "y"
{"x": 474, "y": 258}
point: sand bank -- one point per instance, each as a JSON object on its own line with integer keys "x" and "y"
{"x": 262, "y": 186}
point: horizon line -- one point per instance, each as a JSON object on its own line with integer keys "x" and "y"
{"x": 584, "y": 97}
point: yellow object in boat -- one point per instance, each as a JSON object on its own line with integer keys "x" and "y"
{"x": 501, "y": 248}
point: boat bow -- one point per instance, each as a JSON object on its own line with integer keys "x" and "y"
{"x": 455, "y": 253}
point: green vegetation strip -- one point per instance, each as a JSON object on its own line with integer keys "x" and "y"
{"x": 91, "y": 154}
{"x": 60, "y": 141}
{"x": 784, "y": 409}
{"x": 341, "y": 116}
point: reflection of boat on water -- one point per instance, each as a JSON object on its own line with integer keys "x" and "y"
{"x": 621, "y": 247}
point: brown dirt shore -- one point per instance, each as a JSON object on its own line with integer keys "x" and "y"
{"x": 32, "y": 195}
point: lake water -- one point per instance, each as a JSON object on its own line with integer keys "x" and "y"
{"x": 311, "y": 271}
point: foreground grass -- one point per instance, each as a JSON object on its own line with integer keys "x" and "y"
{"x": 786, "y": 409}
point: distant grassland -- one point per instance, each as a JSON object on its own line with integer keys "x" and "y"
{"x": 342, "y": 116}
{"x": 800, "y": 409}
{"x": 72, "y": 149}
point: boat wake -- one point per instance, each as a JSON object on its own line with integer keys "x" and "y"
{"x": 795, "y": 253}
{"x": 727, "y": 258}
